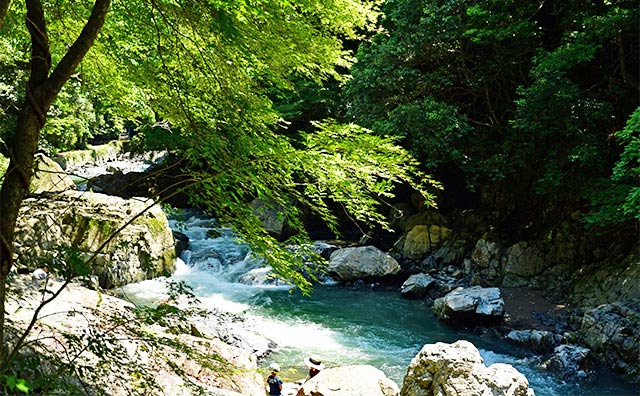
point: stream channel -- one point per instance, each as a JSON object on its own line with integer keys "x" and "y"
{"x": 344, "y": 325}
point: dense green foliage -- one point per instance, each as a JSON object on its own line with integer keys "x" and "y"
{"x": 198, "y": 78}
{"x": 521, "y": 101}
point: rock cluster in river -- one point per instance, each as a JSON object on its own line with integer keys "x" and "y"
{"x": 432, "y": 247}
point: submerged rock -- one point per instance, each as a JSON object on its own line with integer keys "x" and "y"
{"x": 570, "y": 361}
{"x": 539, "y": 341}
{"x": 458, "y": 369}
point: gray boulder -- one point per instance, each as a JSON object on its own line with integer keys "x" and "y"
{"x": 612, "y": 332}
{"x": 90, "y": 224}
{"x": 361, "y": 380}
{"x": 417, "y": 286}
{"x": 271, "y": 216}
{"x": 539, "y": 341}
{"x": 487, "y": 256}
{"x": 470, "y": 305}
{"x": 458, "y": 369}
{"x": 570, "y": 361}
{"x": 364, "y": 262}
{"x": 523, "y": 263}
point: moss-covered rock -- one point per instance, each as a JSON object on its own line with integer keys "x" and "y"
{"x": 94, "y": 154}
{"x": 48, "y": 176}
{"x": 130, "y": 239}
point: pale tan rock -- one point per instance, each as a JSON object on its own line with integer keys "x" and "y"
{"x": 130, "y": 238}
{"x": 458, "y": 369}
{"x": 360, "y": 380}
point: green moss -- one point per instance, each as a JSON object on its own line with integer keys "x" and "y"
{"x": 93, "y": 231}
{"x": 4, "y": 164}
{"x": 156, "y": 226}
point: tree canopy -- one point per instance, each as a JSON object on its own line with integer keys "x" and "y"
{"x": 520, "y": 101}
{"x": 196, "y": 78}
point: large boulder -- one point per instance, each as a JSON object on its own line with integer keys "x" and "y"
{"x": 131, "y": 239}
{"x": 363, "y": 262}
{"x": 612, "y": 332}
{"x": 350, "y": 381}
{"x": 422, "y": 239}
{"x": 470, "y": 305}
{"x": 48, "y": 176}
{"x": 523, "y": 263}
{"x": 271, "y": 216}
{"x": 118, "y": 354}
{"x": 487, "y": 256}
{"x": 458, "y": 369}
{"x": 417, "y": 286}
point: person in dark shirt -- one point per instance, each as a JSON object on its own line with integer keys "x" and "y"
{"x": 275, "y": 383}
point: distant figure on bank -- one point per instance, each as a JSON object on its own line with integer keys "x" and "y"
{"x": 315, "y": 365}
{"x": 40, "y": 274}
{"x": 275, "y": 383}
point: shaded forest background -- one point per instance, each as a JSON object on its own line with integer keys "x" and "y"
{"x": 527, "y": 113}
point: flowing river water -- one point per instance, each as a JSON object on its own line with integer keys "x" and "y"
{"x": 344, "y": 325}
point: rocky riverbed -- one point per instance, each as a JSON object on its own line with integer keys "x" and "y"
{"x": 549, "y": 299}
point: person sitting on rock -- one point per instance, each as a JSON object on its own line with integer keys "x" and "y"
{"x": 315, "y": 365}
{"x": 40, "y": 274}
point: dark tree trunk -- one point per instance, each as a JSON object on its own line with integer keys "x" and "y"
{"x": 4, "y": 7}
{"x": 41, "y": 91}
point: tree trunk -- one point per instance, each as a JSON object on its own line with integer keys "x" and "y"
{"x": 4, "y": 7}
{"x": 41, "y": 91}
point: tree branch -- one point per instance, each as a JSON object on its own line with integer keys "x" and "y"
{"x": 67, "y": 65}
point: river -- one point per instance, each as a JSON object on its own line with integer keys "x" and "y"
{"x": 344, "y": 325}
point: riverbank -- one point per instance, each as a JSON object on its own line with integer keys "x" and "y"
{"x": 88, "y": 339}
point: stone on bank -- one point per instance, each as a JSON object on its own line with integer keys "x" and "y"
{"x": 90, "y": 223}
{"x": 474, "y": 305}
{"x": 362, "y": 380}
{"x": 458, "y": 369}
